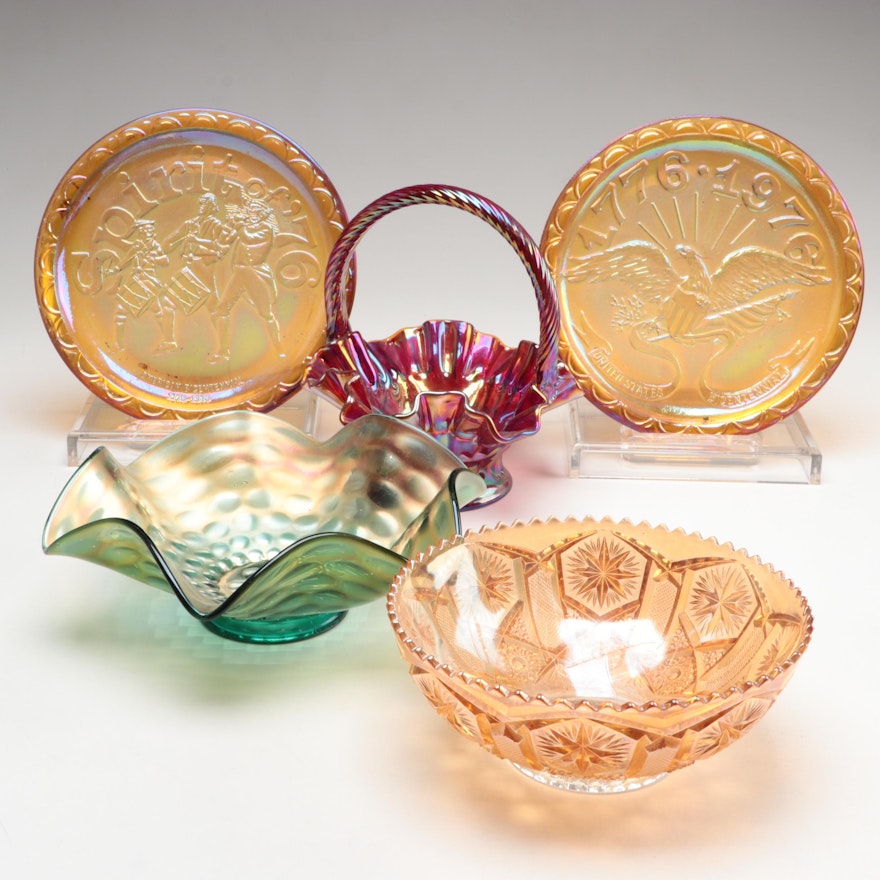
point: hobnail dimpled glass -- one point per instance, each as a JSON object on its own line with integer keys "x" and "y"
{"x": 262, "y": 533}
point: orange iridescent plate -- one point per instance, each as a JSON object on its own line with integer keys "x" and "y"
{"x": 709, "y": 274}
{"x": 180, "y": 264}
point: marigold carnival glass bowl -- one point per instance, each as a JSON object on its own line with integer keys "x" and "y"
{"x": 597, "y": 656}
{"x": 464, "y": 387}
{"x": 262, "y": 533}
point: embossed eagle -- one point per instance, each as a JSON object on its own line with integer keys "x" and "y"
{"x": 729, "y": 299}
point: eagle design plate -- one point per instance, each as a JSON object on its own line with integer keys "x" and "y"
{"x": 180, "y": 264}
{"x": 709, "y": 274}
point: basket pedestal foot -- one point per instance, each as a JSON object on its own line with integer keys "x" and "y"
{"x": 497, "y": 478}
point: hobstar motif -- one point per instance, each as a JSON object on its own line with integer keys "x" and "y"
{"x": 597, "y": 656}
{"x": 262, "y": 533}
{"x": 466, "y": 388}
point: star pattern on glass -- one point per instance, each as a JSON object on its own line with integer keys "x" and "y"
{"x": 583, "y": 748}
{"x": 721, "y": 601}
{"x": 494, "y": 580}
{"x": 769, "y": 658}
{"x": 553, "y": 659}
{"x": 527, "y": 658}
{"x": 603, "y": 571}
{"x": 448, "y": 707}
{"x": 730, "y": 728}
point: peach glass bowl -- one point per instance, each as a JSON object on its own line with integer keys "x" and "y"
{"x": 597, "y": 656}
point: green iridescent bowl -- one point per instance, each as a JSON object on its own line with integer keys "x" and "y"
{"x": 264, "y": 534}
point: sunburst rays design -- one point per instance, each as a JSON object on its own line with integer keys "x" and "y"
{"x": 583, "y": 747}
{"x": 448, "y": 707}
{"x": 721, "y": 602}
{"x": 494, "y": 579}
{"x": 603, "y": 572}
{"x": 770, "y": 658}
{"x": 734, "y": 725}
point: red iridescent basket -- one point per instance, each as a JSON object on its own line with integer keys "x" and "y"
{"x": 467, "y": 389}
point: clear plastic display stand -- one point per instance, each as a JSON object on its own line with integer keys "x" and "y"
{"x": 601, "y": 447}
{"x": 99, "y": 424}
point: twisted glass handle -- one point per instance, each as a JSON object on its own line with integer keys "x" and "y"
{"x": 542, "y": 281}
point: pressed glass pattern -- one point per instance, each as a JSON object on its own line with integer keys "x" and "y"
{"x": 597, "y": 656}
{"x": 709, "y": 275}
{"x": 263, "y": 533}
{"x": 180, "y": 264}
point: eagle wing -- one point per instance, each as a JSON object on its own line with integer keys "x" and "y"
{"x": 746, "y": 272}
{"x": 641, "y": 265}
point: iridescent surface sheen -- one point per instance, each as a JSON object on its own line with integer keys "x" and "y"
{"x": 597, "y": 656}
{"x": 180, "y": 263}
{"x": 466, "y": 388}
{"x": 260, "y": 531}
{"x": 709, "y": 275}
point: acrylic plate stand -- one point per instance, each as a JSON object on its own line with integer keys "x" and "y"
{"x": 99, "y": 424}
{"x": 600, "y": 447}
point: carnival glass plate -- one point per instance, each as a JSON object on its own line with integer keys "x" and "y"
{"x": 180, "y": 264}
{"x": 262, "y": 533}
{"x": 709, "y": 276}
{"x": 597, "y": 656}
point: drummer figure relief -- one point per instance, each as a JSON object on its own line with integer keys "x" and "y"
{"x": 246, "y": 274}
{"x": 203, "y": 240}
{"x": 139, "y": 289}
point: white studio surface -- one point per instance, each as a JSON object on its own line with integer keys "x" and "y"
{"x": 134, "y": 744}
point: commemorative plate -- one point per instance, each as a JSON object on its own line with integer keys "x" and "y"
{"x": 180, "y": 264}
{"x": 709, "y": 274}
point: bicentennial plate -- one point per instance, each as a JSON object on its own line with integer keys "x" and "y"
{"x": 710, "y": 277}
{"x": 180, "y": 264}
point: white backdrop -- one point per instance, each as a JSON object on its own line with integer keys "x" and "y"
{"x": 133, "y": 745}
